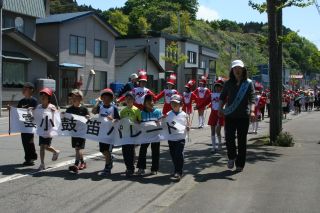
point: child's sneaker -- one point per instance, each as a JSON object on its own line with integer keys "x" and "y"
{"x": 107, "y": 170}
{"x": 154, "y": 172}
{"x": 230, "y": 164}
{"x": 177, "y": 177}
{"x": 82, "y": 166}
{"x": 41, "y": 167}
{"x": 239, "y": 169}
{"x": 141, "y": 172}
{"x": 55, "y": 156}
{"x": 74, "y": 168}
{"x": 129, "y": 173}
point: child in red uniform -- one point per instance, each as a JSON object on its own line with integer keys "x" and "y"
{"x": 188, "y": 97}
{"x": 167, "y": 93}
{"x": 140, "y": 92}
{"x": 202, "y": 93}
{"x": 215, "y": 121}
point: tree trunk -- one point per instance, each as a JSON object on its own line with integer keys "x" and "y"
{"x": 275, "y": 105}
{"x": 280, "y": 62}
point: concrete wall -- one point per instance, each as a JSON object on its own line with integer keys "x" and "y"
{"x": 193, "y": 48}
{"x": 48, "y": 38}
{"x": 37, "y": 68}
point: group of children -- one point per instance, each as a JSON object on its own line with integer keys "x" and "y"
{"x": 139, "y": 108}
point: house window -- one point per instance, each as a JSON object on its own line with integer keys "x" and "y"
{"x": 100, "y": 48}
{"x": 77, "y": 45}
{"x": 192, "y": 57}
{"x": 13, "y": 74}
{"x": 203, "y": 65}
{"x": 100, "y": 80}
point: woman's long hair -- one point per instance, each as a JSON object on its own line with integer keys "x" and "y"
{"x": 244, "y": 74}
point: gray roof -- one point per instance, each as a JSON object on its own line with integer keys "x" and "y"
{"x": 63, "y": 17}
{"x": 27, "y": 42}
{"x": 34, "y": 8}
{"x": 123, "y": 55}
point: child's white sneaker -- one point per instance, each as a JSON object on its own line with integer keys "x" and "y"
{"x": 41, "y": 167}
{"x": 55, "y": 156}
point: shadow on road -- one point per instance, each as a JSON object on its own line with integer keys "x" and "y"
{"x": 12, "y": 169}
{"x": 196, "y": 160}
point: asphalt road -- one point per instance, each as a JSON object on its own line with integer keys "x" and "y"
{"x": 274, "y": 180}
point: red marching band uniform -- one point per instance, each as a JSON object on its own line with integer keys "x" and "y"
{"x": 139, "y": 92}
{"x": 213, "y": 102}
{"x": 202, "y": 93}
{"x": 189, "y": 97}
{"x": 167, "y": 93}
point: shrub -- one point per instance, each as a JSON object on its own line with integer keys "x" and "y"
{"x": 284, "y": 139}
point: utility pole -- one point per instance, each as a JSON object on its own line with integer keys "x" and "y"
{"x": 147, "y": 53}
{"x": 1, "y": 4}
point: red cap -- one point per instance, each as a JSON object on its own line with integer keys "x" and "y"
{"x": 219, "y": 82}
{"x": 258, "y": 86}
{"x": 46, "y": 91}
{"x": 106, "y": 91}
{"x": 142, "y": 75}
{"x": 190, "y": 83}
{"x": 172, "y": 79}
{"x": 203, "y": 80}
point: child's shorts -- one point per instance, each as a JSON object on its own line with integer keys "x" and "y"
{"x": 44, "y": 141}
{"x": 103, "y": 147}
{"x": 214, "y": 119}
{"x": 78, "y": 142}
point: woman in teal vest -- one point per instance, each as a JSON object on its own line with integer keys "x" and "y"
{"x": 237, "y": 104}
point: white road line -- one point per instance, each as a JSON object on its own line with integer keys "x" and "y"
{"x": 51, "y": 167}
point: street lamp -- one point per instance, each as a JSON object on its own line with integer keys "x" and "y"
{"x": 1, "y": 4}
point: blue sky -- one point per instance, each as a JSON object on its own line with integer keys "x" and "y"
{"x": 304, "y": 20}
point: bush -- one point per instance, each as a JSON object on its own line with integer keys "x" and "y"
{"x": 284, "y": 139}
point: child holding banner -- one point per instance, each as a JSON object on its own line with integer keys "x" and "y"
{"x": 78, "y": 143}
{"x": 149, "y": 113}
{"x": 133, "y": 113}
{"x": 106, "y": 109}
{"x": 28, "y": 138}
{"x": 45, "y": 142}
{"x": 177, "y": 141}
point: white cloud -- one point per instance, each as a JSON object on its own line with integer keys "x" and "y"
{"x": 207, "y": 13}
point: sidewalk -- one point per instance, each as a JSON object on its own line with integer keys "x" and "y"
{"x": 275, "y": 179}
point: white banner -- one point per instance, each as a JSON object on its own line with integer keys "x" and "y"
{"x": 47, "y": 123}
{"x": 21, "y": 120}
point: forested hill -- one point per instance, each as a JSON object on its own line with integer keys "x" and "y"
{"x": 247, "y": 41}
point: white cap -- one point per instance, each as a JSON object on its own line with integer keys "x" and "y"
{"x": 133, "y": 76}
{"x": 176, "y": 98}
{"x": 237, "y": 63}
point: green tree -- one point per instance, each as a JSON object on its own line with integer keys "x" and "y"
{"x": 275, "y": 27}
{"x": 143, "y": 26}
{"x": 63, "y": 6}
{"x": 174, "y": 56}
{"x": 119, "y": 21}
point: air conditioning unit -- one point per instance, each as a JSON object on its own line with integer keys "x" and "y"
{"x": 46, "y": 83}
